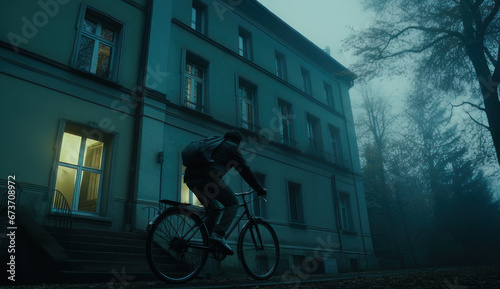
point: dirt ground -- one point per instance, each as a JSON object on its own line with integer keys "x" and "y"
{"x": 456, "y": 278}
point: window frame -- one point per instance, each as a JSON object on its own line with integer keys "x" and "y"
{"x": 298, "y": 206}
{"x": 106, "y": 170}
{"x": 314, "y": 135}
{"x": 260, "y": 204}
{"x": 280, "y": 65}
{"x": 246, "y": 124}
{"x": 336, "y": 144}
{"x": 285, "y": 117}
{"x": 88, "y": 12}
{"x": 329, "y": 99}
{"x": 199, "y": 17}
{"x": 245, "y": 43}
{"x": 306, "y": 81}
{"x": 201, "y": 105}
{"x": 184, "y": 189}
{"x": 345, "y": 212}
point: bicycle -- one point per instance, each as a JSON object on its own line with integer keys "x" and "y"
{"x": 178, "y": 244}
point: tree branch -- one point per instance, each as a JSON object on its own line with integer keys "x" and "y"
{"x": 488, "y": 19}
{"x": 425, "y": 47}
{"x": 496, "y": 72}
{"x": 469, "y": 103}
{"x": 477, "y": 122}
{"x": 490, "y": 56}
{"x": 430, "y": 29}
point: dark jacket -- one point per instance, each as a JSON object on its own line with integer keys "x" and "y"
{"x": 226, "y": 157}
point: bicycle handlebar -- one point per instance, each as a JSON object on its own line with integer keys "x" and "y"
{"x": 245, "y": 193}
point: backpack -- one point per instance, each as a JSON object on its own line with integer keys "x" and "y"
{"x": 199, "y": 152}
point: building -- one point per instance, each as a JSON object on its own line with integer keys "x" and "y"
{"x": 100, "y": 97}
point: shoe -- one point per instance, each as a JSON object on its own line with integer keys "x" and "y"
{"x": 222, "y": 243}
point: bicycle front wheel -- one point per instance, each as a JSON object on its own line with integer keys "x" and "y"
{"x": 258, "y": 249}
{"x": 177, "y": 245}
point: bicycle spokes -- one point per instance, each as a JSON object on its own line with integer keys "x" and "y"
{"x": 259, "y": 250}
{"x": 177, "y": 248}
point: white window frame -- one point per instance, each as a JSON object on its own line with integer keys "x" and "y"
{"x": 306, "y": 81}
{"x": 329, "y": 95}
{"x": 245, "y": 43}
{"x": 345, "y": 211}
{"x": 280, "y": 65}
{"x": 199, "y": 17}
{"x": 80, "y": 168}
{"x": 102, "y": 20}
{"x": 201, "y": 104}
{"x": 192, "y": 101}
{"x": 184, "y": 189}
{"x": 284, "y": 116}
{"x": 247, "y": 121}
{"x": 259, "y": 207}
{"x": 336, "y": 144}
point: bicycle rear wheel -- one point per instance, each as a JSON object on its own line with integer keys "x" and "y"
{"x": 258, "y": 249}
{"x": 177, "y": 245}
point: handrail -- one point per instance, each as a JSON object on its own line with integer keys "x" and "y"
{"x": 62, "y": 215}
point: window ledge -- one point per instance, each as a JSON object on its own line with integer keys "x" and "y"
{"x": 94, "y": 77}
{"x": 298, "y": 225}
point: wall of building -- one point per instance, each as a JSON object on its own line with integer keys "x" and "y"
{"x": 319, "y": 234}
{"x": 42, "y": 91}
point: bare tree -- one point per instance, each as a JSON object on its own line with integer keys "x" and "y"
{"x": 453, "y": 42}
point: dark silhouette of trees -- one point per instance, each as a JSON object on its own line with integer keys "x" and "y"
{"x": 427, "y": 201}
{"x": 452, "y": 44}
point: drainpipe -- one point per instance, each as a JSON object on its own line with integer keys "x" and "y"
{"x": 139, "y": 112}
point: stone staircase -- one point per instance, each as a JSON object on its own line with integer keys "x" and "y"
{"x": 103, "y": 256}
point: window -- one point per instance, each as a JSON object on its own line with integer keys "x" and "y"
{"x": 258, "y": 207}
{"x": 195, "y": 82}
{"x": 97, "y": 46}
{"x": 80, "y": 169}
{"x": 245, "y": 44}
{"x": 187, "y": 196}
{"x": 329, "y": 95}
{"x": 345, "y": 212}
{"x": 314, "y": 135}
{"x": 246, "y": 99}
{"x": 199, "y": 17}
{"x": 285, "y": 122}
{"x": 336, "y": 145}
{"x": 295, "y": 199}
{"x": 280, "y": 66}
{"x": 306, "y": 81}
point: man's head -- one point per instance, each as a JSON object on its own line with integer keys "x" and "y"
{"x": 234, "y": 136}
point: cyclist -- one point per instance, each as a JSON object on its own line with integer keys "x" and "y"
{"x": 206, "y": 183}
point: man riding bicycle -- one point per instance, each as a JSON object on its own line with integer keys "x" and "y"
{"x": 205, "y": 181}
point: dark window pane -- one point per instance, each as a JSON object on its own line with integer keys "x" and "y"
{"x": 85, "y": 53}
{"x": 103, "y": 61}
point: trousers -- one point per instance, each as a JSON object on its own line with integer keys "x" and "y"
{"x": 211, "y": 192}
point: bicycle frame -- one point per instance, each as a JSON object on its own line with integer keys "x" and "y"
{"x": 205, "y": 219}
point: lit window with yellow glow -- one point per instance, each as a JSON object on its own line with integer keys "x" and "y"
{"x": 79, "y": 171}
{"x": 187, "y": 196}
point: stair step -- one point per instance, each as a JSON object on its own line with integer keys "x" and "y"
{"x": 106, "y": 256}
{"x": 115, "y": 279}
{"x": 106, "y": 266}
{"x": 99, "y": 233}
{"x": 109, "y": 240}
{"x": 112, "y": 248}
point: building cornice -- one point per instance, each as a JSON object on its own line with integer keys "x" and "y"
{"x": 260, "y": 14}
